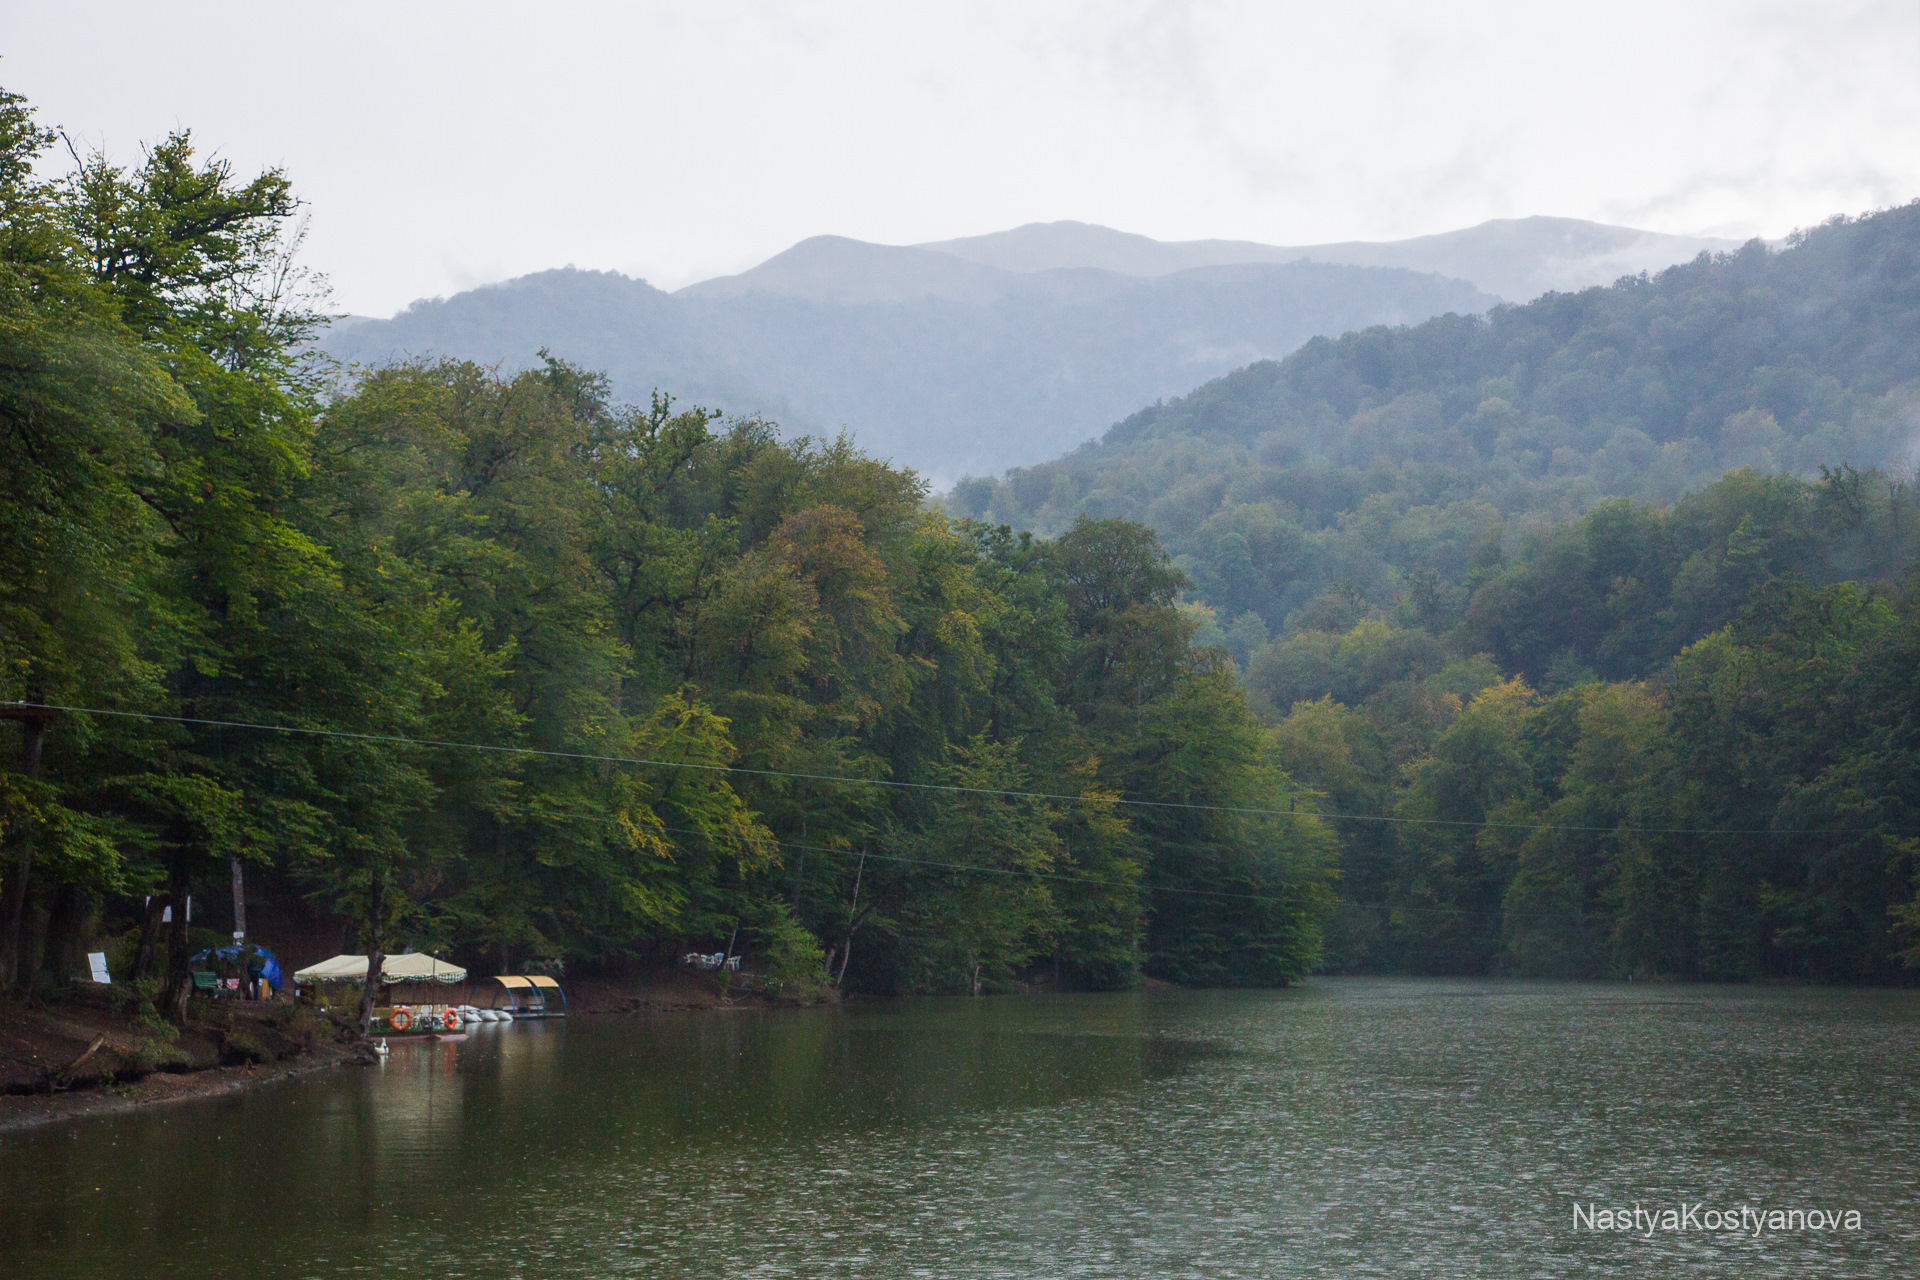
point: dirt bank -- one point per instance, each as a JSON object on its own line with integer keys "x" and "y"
{"x": 85, "y": 1055}
{"x": 88, "y": 1055}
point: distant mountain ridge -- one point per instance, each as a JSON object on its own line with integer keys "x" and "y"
{"x": 1516, "y": 258}
{"x": 972, "y": 356}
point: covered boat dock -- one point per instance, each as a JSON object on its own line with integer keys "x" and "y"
{"x": 532, "y": 995}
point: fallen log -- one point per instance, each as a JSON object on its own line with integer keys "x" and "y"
{"x": 61, "y": 1078}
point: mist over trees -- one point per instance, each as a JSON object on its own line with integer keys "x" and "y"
{"x": 934, "y": 362}
{"x": 721, "y": 689}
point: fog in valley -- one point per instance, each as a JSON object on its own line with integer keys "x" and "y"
{"x": 972, "y": 356}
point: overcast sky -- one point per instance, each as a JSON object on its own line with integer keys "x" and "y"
{"x": 445, "y": 145}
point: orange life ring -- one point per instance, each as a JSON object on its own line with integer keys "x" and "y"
{"x": 452, "y": 1018}
{"x": 401, "y": 1018}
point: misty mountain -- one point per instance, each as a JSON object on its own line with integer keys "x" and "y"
{"x": 1516, "y": 258}
{"x": 941, "y": 364}
{"x": 975, "y": 355}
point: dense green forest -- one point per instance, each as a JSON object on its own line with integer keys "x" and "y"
{"x": 733, "y": 690}
{"x": 1744, "y": 806}
{"x": 1575, "y": 641}
{"x": 1627, "y": 574}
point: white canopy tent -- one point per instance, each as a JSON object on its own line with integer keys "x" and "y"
{"x": 411, "y": 966}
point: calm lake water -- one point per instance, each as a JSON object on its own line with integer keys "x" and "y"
{"x": 1381, "y": 1128}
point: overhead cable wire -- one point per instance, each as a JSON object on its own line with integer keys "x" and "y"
{"x": 954, "y": 788}
{"x": 1094, "y": 881}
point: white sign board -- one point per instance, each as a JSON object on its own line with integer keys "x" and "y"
{"x": 97, "y": 961}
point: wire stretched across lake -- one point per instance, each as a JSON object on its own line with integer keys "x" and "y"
{"x": 953, "y": 788}
{"x": 1094, "y": 881}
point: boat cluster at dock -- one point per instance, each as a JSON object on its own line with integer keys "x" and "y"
{"x": 527, "y": 996}
{"x": 435, "y": 1017}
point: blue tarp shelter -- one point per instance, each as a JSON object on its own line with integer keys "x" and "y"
{"x": 259, "y": 961}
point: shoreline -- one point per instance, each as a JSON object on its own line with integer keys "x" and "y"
{"x": 197, "y": 1067}
{"x": 20, "y": 1112}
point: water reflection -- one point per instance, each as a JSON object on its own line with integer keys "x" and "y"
{"x": 1380, "y": 1127}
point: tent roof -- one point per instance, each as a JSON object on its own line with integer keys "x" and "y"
{"x": 338, "y": 969}
{"x": 416, "y": 966}
{"x": 410, "y": 966}
{"x": 512, "y": 980}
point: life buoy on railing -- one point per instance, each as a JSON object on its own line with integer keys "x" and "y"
{"x": 452, "y": 1018}
{"x": 401, "y": 1018}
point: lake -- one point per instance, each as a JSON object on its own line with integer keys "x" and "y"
{"x": 1368, "y": 1127}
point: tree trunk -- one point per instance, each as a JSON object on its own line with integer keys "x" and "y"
{"x": 61, "y": 949}
{"x": 376, "y": 945}
{"x": 500, "y": 855}
{"x": 13, "y": 905}
{"x": 149, "y": 937}
{"x": 179, "y": 978}
{"x": 800, "y": 865}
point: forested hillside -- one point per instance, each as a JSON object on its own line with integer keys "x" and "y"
{"x": 500, "y": 667}
{"x": 1359, "y": 460}
{"x": 1549, "y": 783}
{"x": 1672, "y": 732}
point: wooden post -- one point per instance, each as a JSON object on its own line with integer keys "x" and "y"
{"x": 853, "y": 916}
{"x": 239, "y": 902}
